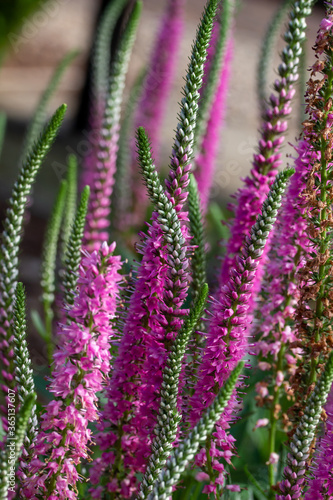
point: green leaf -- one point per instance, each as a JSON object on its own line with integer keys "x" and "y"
{"x": 218, "y": 216}
{"x": 256, "y": 485}
{"x": 23, "y": 416}
{"x": 38, "y": 323}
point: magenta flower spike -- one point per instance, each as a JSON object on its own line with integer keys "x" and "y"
{"x": 142, "y": 343}
{"x": 81, "y": 368}
{"x": 206, "y": 158}
{"x": 289, "y": 248}
{"x": 101, "y": 162}
{"x": 95, "y": 126}
{"x": 155, "y": 313}
{"x": 156, "y": 90}
{"x": 227, "y": 334}
{"x": 249, "y": 199}
{"x": 101, "y": 180}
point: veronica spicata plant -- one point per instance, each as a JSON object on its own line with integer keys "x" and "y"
{"x": 161, "y": 384}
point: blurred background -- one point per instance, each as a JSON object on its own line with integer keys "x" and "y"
{"x": 36, "y": 34}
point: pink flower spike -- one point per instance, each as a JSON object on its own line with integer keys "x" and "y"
{"x": 79, "y": 372}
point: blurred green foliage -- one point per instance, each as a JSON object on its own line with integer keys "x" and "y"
{"x": 13, "y": 13}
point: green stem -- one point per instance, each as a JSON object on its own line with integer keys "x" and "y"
{"x": 210, "y": 471}
{"x": 55, "y": 476}
{"x": 324, "y": 243}
{"x": 48, "y": 317}
{"x": 274, "y": 420}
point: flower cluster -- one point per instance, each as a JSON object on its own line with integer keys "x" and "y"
{"x": 145, "y": 361}
{"x": 81, "y": 368}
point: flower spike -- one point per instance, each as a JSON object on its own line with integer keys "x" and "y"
{"x": 188, "y": 448}
{"x": 24, "y": 378}
{"x": 182, "y": 151}
{"x": 11, "y": 239}
{"x": 208, "y": 148}
{"x": 121, "y": 194}
{"x": 229, "y": 324}
{"x": 155, "y": 313}
{"x": 321, "y": 481}
{"x": 102, "y": 47}
{"x": 100, "y": 168}
{"x": 198, "y": 239}
{"x": 12, "y": 453}
{"x": 73, "y": 251}
{"x": 249, "y": 199}
{"x": 169, "y": 417}
{"x": 266, "y": 51}
{"x": 294, "y": 472}
{"x": 81, "y": 365}
{"x": 154, "y": 96}
{"x": 167, "y": 216}
{"x": 215, "y": 60}
{"x": 37, "y": 124}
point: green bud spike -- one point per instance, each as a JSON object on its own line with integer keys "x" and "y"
{"x": 168, "y": 418}
{"x": 13, "y": 229}
{"x": 73, "y": 250}
{"x": 23, "y": 371}
{"x": 188, "y": 448}
{"x": 102, "y": 48}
